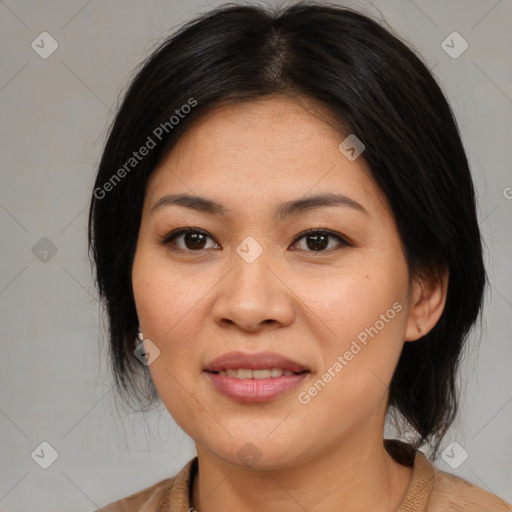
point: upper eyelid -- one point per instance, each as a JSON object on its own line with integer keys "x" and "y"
{"x": 318, "y": 230}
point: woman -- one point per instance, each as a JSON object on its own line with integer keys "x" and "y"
{"x": 284, "y": 235}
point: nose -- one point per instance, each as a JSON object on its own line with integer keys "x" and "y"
{"x": 253, "y": 296}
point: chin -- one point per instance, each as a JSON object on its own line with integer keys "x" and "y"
{"x": 261, "y": 455}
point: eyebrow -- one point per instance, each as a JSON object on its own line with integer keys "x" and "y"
{"x": 294, "y": 207}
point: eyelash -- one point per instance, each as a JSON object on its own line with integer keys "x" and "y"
{"x": 169, "y": 238}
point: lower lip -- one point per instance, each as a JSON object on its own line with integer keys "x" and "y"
{"x": 255, "y": 390}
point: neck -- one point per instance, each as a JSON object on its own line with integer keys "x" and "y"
{"x": 357, "y": 473}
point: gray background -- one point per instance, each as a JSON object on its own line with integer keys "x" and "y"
{"x": 55, "y": 385}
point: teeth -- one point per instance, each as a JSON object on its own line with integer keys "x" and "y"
{"x": 266, "y": 373}
{"x": 244, "y": 374}
{"x": 261, "y": 374}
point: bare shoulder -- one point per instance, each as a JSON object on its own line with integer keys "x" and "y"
{"x": 152, "y": 496}
{"x": 451, "y": 492}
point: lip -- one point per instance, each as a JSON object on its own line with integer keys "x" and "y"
{"x": 256, "y": 361}
{"x": 254, "y": 390}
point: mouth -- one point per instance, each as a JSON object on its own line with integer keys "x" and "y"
{"x": 255, "y": 377}
{"x": 264, "y": 373}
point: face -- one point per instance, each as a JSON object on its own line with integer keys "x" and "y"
{"x": 248, "y": 278}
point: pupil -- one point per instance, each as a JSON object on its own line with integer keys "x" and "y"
{"x": 194, "y": 240}
{"x": 319, "y": 242}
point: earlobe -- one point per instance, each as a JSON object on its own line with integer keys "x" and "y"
{"x": 429, "y": 299}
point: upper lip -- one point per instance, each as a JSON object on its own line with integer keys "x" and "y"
{"x": 256, "y": 361}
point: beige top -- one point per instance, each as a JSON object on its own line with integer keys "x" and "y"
{"x": 430, "y": 490}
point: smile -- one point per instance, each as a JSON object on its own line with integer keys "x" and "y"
{"x": 245, "y": 373}
{"x": 256, "y": 377}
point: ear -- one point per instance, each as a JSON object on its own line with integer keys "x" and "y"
{"x": 429, "y": 299}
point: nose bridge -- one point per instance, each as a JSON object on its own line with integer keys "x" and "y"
{"x": 252, "y": 281}
{"x": 251, "y": 294}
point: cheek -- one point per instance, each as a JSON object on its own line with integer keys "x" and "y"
{"x": 168, "y": 301}
{"x": 359, "y": 359}
{"x": 365, "y": 312}
{"x": 349, "y": 302}
{"x": 168, "y": 307}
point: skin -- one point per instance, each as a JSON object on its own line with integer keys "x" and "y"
{"x": 196, "y": 305}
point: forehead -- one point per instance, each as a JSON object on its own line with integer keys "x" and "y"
{"x": 274, "y": 147}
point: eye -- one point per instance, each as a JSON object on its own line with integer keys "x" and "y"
{"x": 319, "y": 240}
{"x": 195, "y": 239}
{"x": 188, "y": 240}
